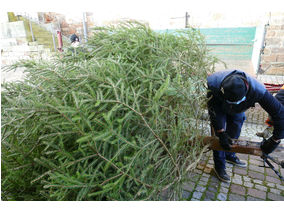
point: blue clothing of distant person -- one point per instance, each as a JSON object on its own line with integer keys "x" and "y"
{"x": 230, "y": 94}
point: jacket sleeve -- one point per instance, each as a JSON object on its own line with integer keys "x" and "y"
{"x": 276, "y": 110}
{"x": 217, "y": 116}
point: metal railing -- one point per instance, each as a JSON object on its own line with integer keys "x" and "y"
{"x": 52, "y": 28}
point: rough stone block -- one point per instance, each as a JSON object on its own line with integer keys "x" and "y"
{"x": 222, "y": 196}
{"x": 185, "y": 194}
{"x": 249, "y": 198}
{"x": 273, "y": 180}
{"x": 275, "y": 191}
{"x": 273, "y": 196}
{"x": 257, "y": 193}
{"x": 256, "y": 175}
{"x": 261, "y": 187}
{"x": 240, "y": 171}
{"x": 197, "y": 195}
{"x": 281, "y": 187}
{"x": 248, "y": 184}
{"x": 189, "y": 186}
{"x": 209, "y": 195}
{"x": 234, "y": 197}
{"x": 237, "y": 189}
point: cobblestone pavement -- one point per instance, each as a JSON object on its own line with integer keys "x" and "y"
{"x": 253, "y": 183}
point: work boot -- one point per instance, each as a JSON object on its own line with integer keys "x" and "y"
{"x": 236, "y": 161}
{"x": 222, "y": 175}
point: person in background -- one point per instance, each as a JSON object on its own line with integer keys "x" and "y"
{"x": 230, "y": 94}
{"x": 75, "y": 42}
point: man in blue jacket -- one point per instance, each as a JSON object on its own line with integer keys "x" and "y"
{"x": 230, "y": 94}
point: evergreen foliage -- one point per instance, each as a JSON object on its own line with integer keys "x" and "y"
{"x": 109, "y": 122}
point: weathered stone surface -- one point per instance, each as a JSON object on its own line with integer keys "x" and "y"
{"x": 209, "y": 195}
{"x": 240, "y": 171}
{"x": 237, "y": 189}
{"x": 257, "y": 193}
{"x": 256, "y": 175}
{"x": 234, "y": 197}
{"x": 273, "y": 180}
{"x": 261, "y": 187}
{"x": 275, "y": 191}
{"x": 185, "y": 194}
{"x": 222, "y": 196}
{"x": 249, "y": 198}
{"x": 273, "y": 196}
{"x": 197, "y": 195}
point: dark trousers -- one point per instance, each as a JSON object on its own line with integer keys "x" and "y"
{"x": 234, "y": 125}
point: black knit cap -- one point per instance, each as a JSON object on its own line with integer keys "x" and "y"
{"x": 234, "y": 88}
{"x": 73, "y": 38}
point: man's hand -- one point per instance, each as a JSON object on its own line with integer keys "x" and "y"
{"x": 224, "y": 140}
{"x": 268, "y": 146}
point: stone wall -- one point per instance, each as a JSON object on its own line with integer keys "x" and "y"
{"x": 272, "y": 60}
{"x": 67, "y": 25}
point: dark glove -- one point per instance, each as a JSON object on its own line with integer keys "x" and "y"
{"x": 269, "y": 145}
{"x": 224, "y": 140}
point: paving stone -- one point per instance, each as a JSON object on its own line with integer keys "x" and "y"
{"x": 237, "y": 181}
{"x": 205, "y": 179}
{"x": 256, "y": 168}
{"x": 194, "y": 176}
{"x": 193, "y": 199}
{"x": 237, "y": 189}
{"x": 248, "y": 184}
{"x": 222, "y": 196}
{"x": 228, "y": 165}
{"x": 225, "y": 185}
{"x": 240, "y": 171}
{"x": 242, "y": 156}
{"x": 261, "y": 187}
{"x": 249, "y": 198}
{"x": 204, "y": 175}
{"x": 257, "y": 193}
{"x": 234, "y": 197}
{"x": 272, "y": 185}
{"x": 224, "y": 190}
{"x": 278, "y": 186}
{"x": 273, "y": 196}
{"x": 202, "y": 183}
{"x": 230, "y": 174}
{"x": 271, "y": 173}
{"x": 214, "y": 180}
{"x": 197, "y": 195}
{"x": 212, "y": 188}
{"x": 258, "y": 181}
{"x": 275, "y": 191}
{"x": 256, "y": 175}
{"x": 273, "y": 180}
{"x": 247, "y": 179}
{"x": 209, "y": 195}
{"x": 256, "y": 162}
{"x": 185, "y": 194}
{"x": 189, "y": 186}
{"x": 200, "y": 189}
{"x": 255, "y": 158}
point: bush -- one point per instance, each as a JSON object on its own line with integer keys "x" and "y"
{"x": 110, "y": 122}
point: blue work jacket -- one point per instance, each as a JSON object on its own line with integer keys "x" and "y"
{"x": 257, "y": 93}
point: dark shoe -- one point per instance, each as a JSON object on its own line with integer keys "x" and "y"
{"x": 222, "y": 175}
{"x": 236, "y": 161}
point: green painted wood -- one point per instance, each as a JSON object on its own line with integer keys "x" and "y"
{"x": 227, "y": 43}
